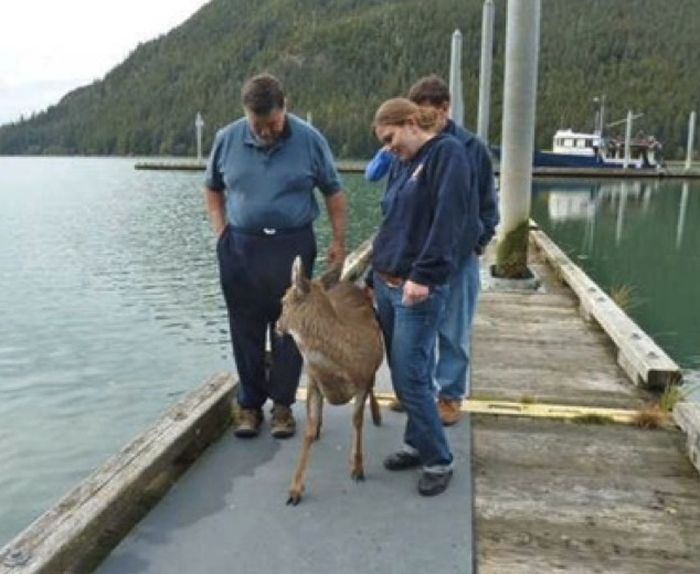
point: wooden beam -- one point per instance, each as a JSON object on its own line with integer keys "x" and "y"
{"x": 530, "y": 410}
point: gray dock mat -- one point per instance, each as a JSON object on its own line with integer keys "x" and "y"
{"x": 227, "y": 513}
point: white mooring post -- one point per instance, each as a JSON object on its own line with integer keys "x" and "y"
{"x": 628, "y": 140}
{"x": 309, "y": 119}
{"x": 691, "y": 140}
{"x": 457, "y": 102}
{"x": 487, "y": 23}
{"x": 518, "y": 131}
{"x": 199, "y": 125}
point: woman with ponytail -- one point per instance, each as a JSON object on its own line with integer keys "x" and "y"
{"x": 425, "y": 211}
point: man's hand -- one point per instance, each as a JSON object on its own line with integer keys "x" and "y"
{"x": 216, "y": 208}
{"x": 414, "y": 293}
{"x": 336, "y": 205}
{"x": 336, "y": 254}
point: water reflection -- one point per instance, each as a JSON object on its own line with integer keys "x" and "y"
{"x": 681, "y": 214}
{"x": 641, "y": 233}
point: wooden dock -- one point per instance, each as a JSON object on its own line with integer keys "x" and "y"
{"x": 563, "y": 479}
{"x": 572, "y": 496}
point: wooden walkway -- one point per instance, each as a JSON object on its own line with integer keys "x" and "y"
{"x": 555, "y": 496}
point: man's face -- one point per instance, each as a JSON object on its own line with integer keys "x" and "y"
{"x": 267, "y": 128}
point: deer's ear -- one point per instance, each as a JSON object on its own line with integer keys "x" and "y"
{"x": 299, "y": 280}
{"x": 331, "y": 276}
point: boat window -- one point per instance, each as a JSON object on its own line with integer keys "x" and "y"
{"x": 569, "y": 142}
{"x": 589, "y": 143}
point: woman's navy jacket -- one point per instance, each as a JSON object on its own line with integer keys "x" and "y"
{"x": 429, "y": 223}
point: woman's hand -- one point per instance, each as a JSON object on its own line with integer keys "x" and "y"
{"x": 414, "y": 293}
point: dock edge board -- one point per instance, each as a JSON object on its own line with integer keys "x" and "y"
{"x": 640, "y": 357}
{"x": 84, "y": 526}
{"x": 687, "y": 417}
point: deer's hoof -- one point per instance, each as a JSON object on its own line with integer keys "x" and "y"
{"x": 294, "y": 497}
{"x": 357, "y": 475}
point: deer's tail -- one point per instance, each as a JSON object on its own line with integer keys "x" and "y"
{"x": 374, "y": 408}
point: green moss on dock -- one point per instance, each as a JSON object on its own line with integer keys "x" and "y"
{"x": 511, "y": 258}
{"x": 593, "y": 419}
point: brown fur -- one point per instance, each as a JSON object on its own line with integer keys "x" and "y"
{"x": 337, "y": 333}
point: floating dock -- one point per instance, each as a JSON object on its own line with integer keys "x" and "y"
{"x": 673, "y": 169}
{"x": 555, "y": 471}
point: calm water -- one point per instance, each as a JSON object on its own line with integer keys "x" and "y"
{"x": 111, "y": 309}
{"x": 642, "y": 234}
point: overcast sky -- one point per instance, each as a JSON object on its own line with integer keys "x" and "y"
{"x": 49, "y": 47}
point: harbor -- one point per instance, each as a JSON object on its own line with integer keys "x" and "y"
{"x": 578, "y": 446}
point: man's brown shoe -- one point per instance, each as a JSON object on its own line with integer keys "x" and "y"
{"x": 249, "y": 421}
{"x": 449, "y": 410}
{"x": 283, "y": 424}
{"x": 395, "y": 405}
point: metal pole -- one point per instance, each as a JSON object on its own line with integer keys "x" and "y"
{"x": 519, "y": 101}
{"x": 487, "y": 24}
{"x": 457, "y": 102}
{"x": 628, "y": 140}
{"x": 691, "y": 140}
{"x": 199, "y": 124}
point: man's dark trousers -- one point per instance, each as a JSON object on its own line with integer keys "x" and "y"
{"x": 255, "y": 269}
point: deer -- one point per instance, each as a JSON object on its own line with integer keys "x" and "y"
{"x": 335, "y": 328}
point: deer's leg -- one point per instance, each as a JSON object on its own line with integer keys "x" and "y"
{"x": 320, "y": 416}
{"x": 357, "y": 469}
{"x": 374, "y": 407}
{"x": 310, "y": 432}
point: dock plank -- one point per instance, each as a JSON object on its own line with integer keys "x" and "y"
{"x": 554, "y": 496}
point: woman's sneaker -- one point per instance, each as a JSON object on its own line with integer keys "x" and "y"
{"x": 432, "y": 483}
{"x": 401, "y": 460}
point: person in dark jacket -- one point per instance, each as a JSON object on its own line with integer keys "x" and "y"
{"x": 417, "y": 248}
{"x": 453, "y": 366}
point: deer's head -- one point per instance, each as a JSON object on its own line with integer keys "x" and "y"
{"x": 305, "y": 301}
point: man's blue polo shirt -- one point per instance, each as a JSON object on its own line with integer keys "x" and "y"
{"x": 271, "y": 187}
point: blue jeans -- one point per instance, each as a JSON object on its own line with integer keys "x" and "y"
{"x": 454, "y": 331}
{"x": 409, "y": 335}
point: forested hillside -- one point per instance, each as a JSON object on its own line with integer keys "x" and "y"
{"x": 340, "y": 58}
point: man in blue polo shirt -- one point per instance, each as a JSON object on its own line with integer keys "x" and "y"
{"x": 260, "y": 180}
